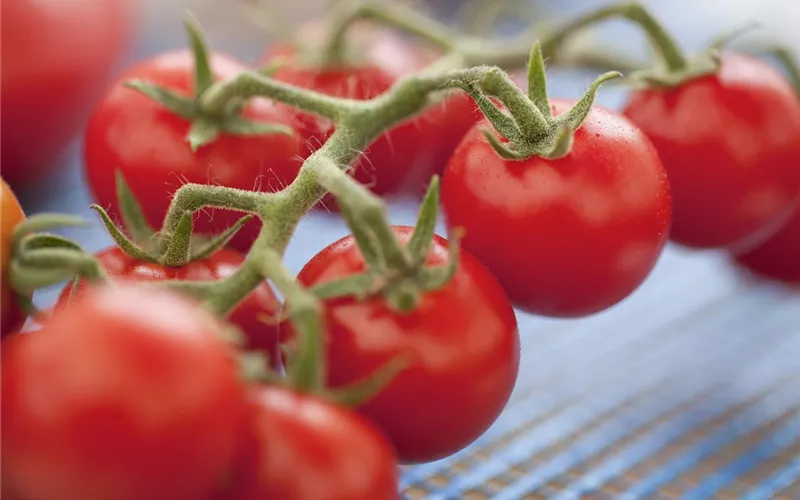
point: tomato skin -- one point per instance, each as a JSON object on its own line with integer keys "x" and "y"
{"x": 730, "y": 144}
{"x": 568, "y": 237}
{"x": 261, "y": 301}
{"x": 405, "y": 158}
{"x": 303, "y": 448}
{"x": 41, "y": 72}
{"x": 11, "y": 316}
{"x": 148, "y": 144}
{"x": 127, "y": 394}
{"x": 462, "y": 342}
{"x": 777, "y": 258}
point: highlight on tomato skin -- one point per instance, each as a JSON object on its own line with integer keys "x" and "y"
{"x": 730, "y": 143}
{"x": 569, "y": 237}
{"x": 11, "y": 315}
{"x": 462, "y": 341}
{"x": 106, "y": 408}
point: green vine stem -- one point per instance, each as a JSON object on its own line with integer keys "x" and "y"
{"x": 513, "y": 53}
{"x": 789, "y": 63}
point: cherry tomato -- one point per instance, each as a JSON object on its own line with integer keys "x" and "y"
{"x": 11, "y": 316}
{"x": 405, "y": 158}
{"x": 730, "y": 144}
{"x": 300, "y": 447}
{"x": 779, "y": 257}
{"x": 462, "y": 343}
{"x": 128, "y": 394}
{"x": 56, "y": 57}
{"x": 147, "y": 143}
{"x": 248, "y": 316}
{"x": 567, "y": 237}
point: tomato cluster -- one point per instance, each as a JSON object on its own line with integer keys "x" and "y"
{"x": 133, "y": 389}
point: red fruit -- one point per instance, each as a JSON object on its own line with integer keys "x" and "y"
{"x": 128, "y": 394}
{"x": 461, "y": 341}
{"x": 567, "y": 237}
{"x": 56, "y": 57}
{"x": 249, "y": 316}
{"x": 730, "y": 143}
{"x": 301, "y": 447}
{"x": 147, "y": 143}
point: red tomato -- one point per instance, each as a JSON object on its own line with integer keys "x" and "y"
{"x": 779, "y": 257}
{"x": 11, "y": 214}
{"x": 128, "y": 394}
{"x": 56, "y": 56}
{"x": 406, "y": 157}
{"x": 462, "y": 342}
{"x": 568, "y": 237}
{"x": 246, "y": 316}
{"x": 300, "y": 447}
{"x": 147, "y": 143}
{"x": 730, "y": 144}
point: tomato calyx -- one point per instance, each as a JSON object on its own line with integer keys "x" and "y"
{"x": 40, "y": 259}
{"x": 174, "y": 249}
{"x": 528, "y": 128}
{"x": 205, "y": 127}
{"x": 402, "y": 278}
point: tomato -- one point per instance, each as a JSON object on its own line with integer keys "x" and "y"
{"x": 462, "y": 343}
{"x": 779, "y": 257}
{"x": 730, "y": 144}
{"x": 249, "y": 314}
{"x": 301, "y": 447}
{"x": 11, "y": 316}
{"x": 147, "y": 143}
{"x": 568, "y": 237}
{"x": 128, "y": 394}
{"x": 405, "y": 158}
{"x": 56, "y": 57}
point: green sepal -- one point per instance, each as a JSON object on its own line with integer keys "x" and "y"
{"x": 221, "y": 240}
{"x": 176, "y": 103}
{"x": 357, "y": 393}
{"x": 203, "y": 76}
{"x": 122, "y": 241}
{"x": 130, "y": 210}
{"x": 420, "y": 242}
{"x": 178, "y": 251}
{"x": 203, "y": 131}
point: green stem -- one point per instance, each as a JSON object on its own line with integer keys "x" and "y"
{"x": 668, "y": 49}
{"x": 788, "y": 61}
{"x": 393, "y": 14}
{"x": 192, "y": 197}
{"x": 252, "y": 84}
{"x": 307, "y": 370}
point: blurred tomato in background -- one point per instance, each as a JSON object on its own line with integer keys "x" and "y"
{"x": 56, "y": 56}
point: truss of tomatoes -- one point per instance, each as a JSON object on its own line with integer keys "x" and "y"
{"x": 107, "y": 408}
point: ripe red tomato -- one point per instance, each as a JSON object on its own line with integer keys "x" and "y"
{"x": 127, "y": 394}
{"x": 730, "y": 144}
{"x": 300, "y": 447}
{"x": 147, "y": 143}
{"x": 462, "y": 341}
{"x": 568, "y": 237}
{"x": 779, "y": 257}
{"x": 56, "y": 56}
{"x": 405, "y": 158}
{"x": 247, "y": 315}
{"x": 11, "y": 214}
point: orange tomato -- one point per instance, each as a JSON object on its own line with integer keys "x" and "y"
{"x": 11, "y": 214}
